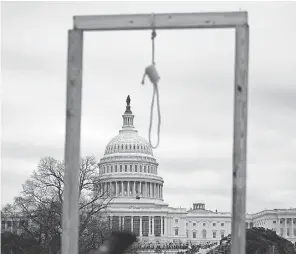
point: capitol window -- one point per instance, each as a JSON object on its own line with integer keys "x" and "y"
{"x": 204, "y": 224}
{"x": 111, "y": 169}
{"x": 222, "y": 224}
{"x": 193, "y": 234}
{"x": 120, "y": 168}
{"x": 214, "y": 224}
{"x": 131, "y": 168}
{"x": 274, "y": 222}
{"x": 125, "y": 167}
{"x": 176, "y": 231}
{"x": 222, "y": 234}
{"x": 176, "y": 220}
{"x": 145, "y": 169}
{"x": 136, "y": 168}
{"x": 214, "y": 234}
{"x": 204, "y": 233}
{"x": 115, "y": 168}
{"x": 140, "y": 168}
{"x": 194, "y": 224}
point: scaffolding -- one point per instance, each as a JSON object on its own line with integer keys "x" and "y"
{"x": 169, "y": 21}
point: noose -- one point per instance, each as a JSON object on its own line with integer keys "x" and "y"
{"x": 152, "y": 73}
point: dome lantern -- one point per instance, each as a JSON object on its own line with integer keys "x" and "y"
{"x": 128, "y": 117}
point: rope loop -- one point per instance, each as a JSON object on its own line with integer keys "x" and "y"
{"x": 155, "y": 90}
{"x": 155, "y": 93}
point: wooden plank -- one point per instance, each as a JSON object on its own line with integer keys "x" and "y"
{"x": 238, "y": 231}
{"x": 72, "y": 144}
{"x": 161, "y": 21}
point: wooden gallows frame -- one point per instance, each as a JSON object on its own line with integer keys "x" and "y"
{"x": 236, "y": 20}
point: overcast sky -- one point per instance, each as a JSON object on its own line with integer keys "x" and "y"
{"x": 196, "y": 93}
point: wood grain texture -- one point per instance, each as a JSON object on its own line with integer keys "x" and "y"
{"x": 238, "y": 230}
{"x": 70, "y": 220}
{"x": 161, "y": 21}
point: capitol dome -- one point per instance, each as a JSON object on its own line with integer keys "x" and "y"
{"x": 128, "y": 142}
{"x": 128, "y": 169}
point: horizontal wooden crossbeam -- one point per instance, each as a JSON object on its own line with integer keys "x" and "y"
{"x": 161, "y": 21}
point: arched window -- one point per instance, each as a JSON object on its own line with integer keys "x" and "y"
{"x": 130, "y": 147}
{"x": 204, "y": 233}
{"x": 140, "y": 168}
{"x": 115, "y": 168}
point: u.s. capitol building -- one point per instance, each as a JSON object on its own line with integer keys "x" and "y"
{"x": 129, "y": 172}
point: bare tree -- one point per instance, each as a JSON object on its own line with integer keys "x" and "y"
{"x": 41, "y": 204}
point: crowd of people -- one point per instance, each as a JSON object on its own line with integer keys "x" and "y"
{"x": 168, "y": 246}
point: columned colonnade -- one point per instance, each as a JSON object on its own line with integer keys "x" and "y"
{"x": 286, "y": 227}
{"x": 143, "y": 226}
{"x": 131, "y": 188}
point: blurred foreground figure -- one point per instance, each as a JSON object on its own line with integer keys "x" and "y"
{"x": 116, "y": 243}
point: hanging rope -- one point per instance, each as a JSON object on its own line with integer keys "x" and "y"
{"x": 152, "y": 73}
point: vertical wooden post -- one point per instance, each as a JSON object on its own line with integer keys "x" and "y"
{"x": 238, "y": 230}
{"x": 70, "y": 218}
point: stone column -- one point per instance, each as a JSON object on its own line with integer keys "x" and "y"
{"x": 116, "y": 188}
{"x": 161, "y": 225}
{"x": 285, "y": 233}
{"x": 141, "y": 234}
{"x": 153, "y": 225}
{"x": 151, "y": 189}
{"x": 132, "y": 223}
{"x": 150, "y": 229}
{"x": 158, "y": 190}
{"x": 140, "y": 186}
{"x": 292, "y": 234}
{"x": 134, "y": 187}
{"x": 128, "y": 188}
{"x": 122, "y": 190}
